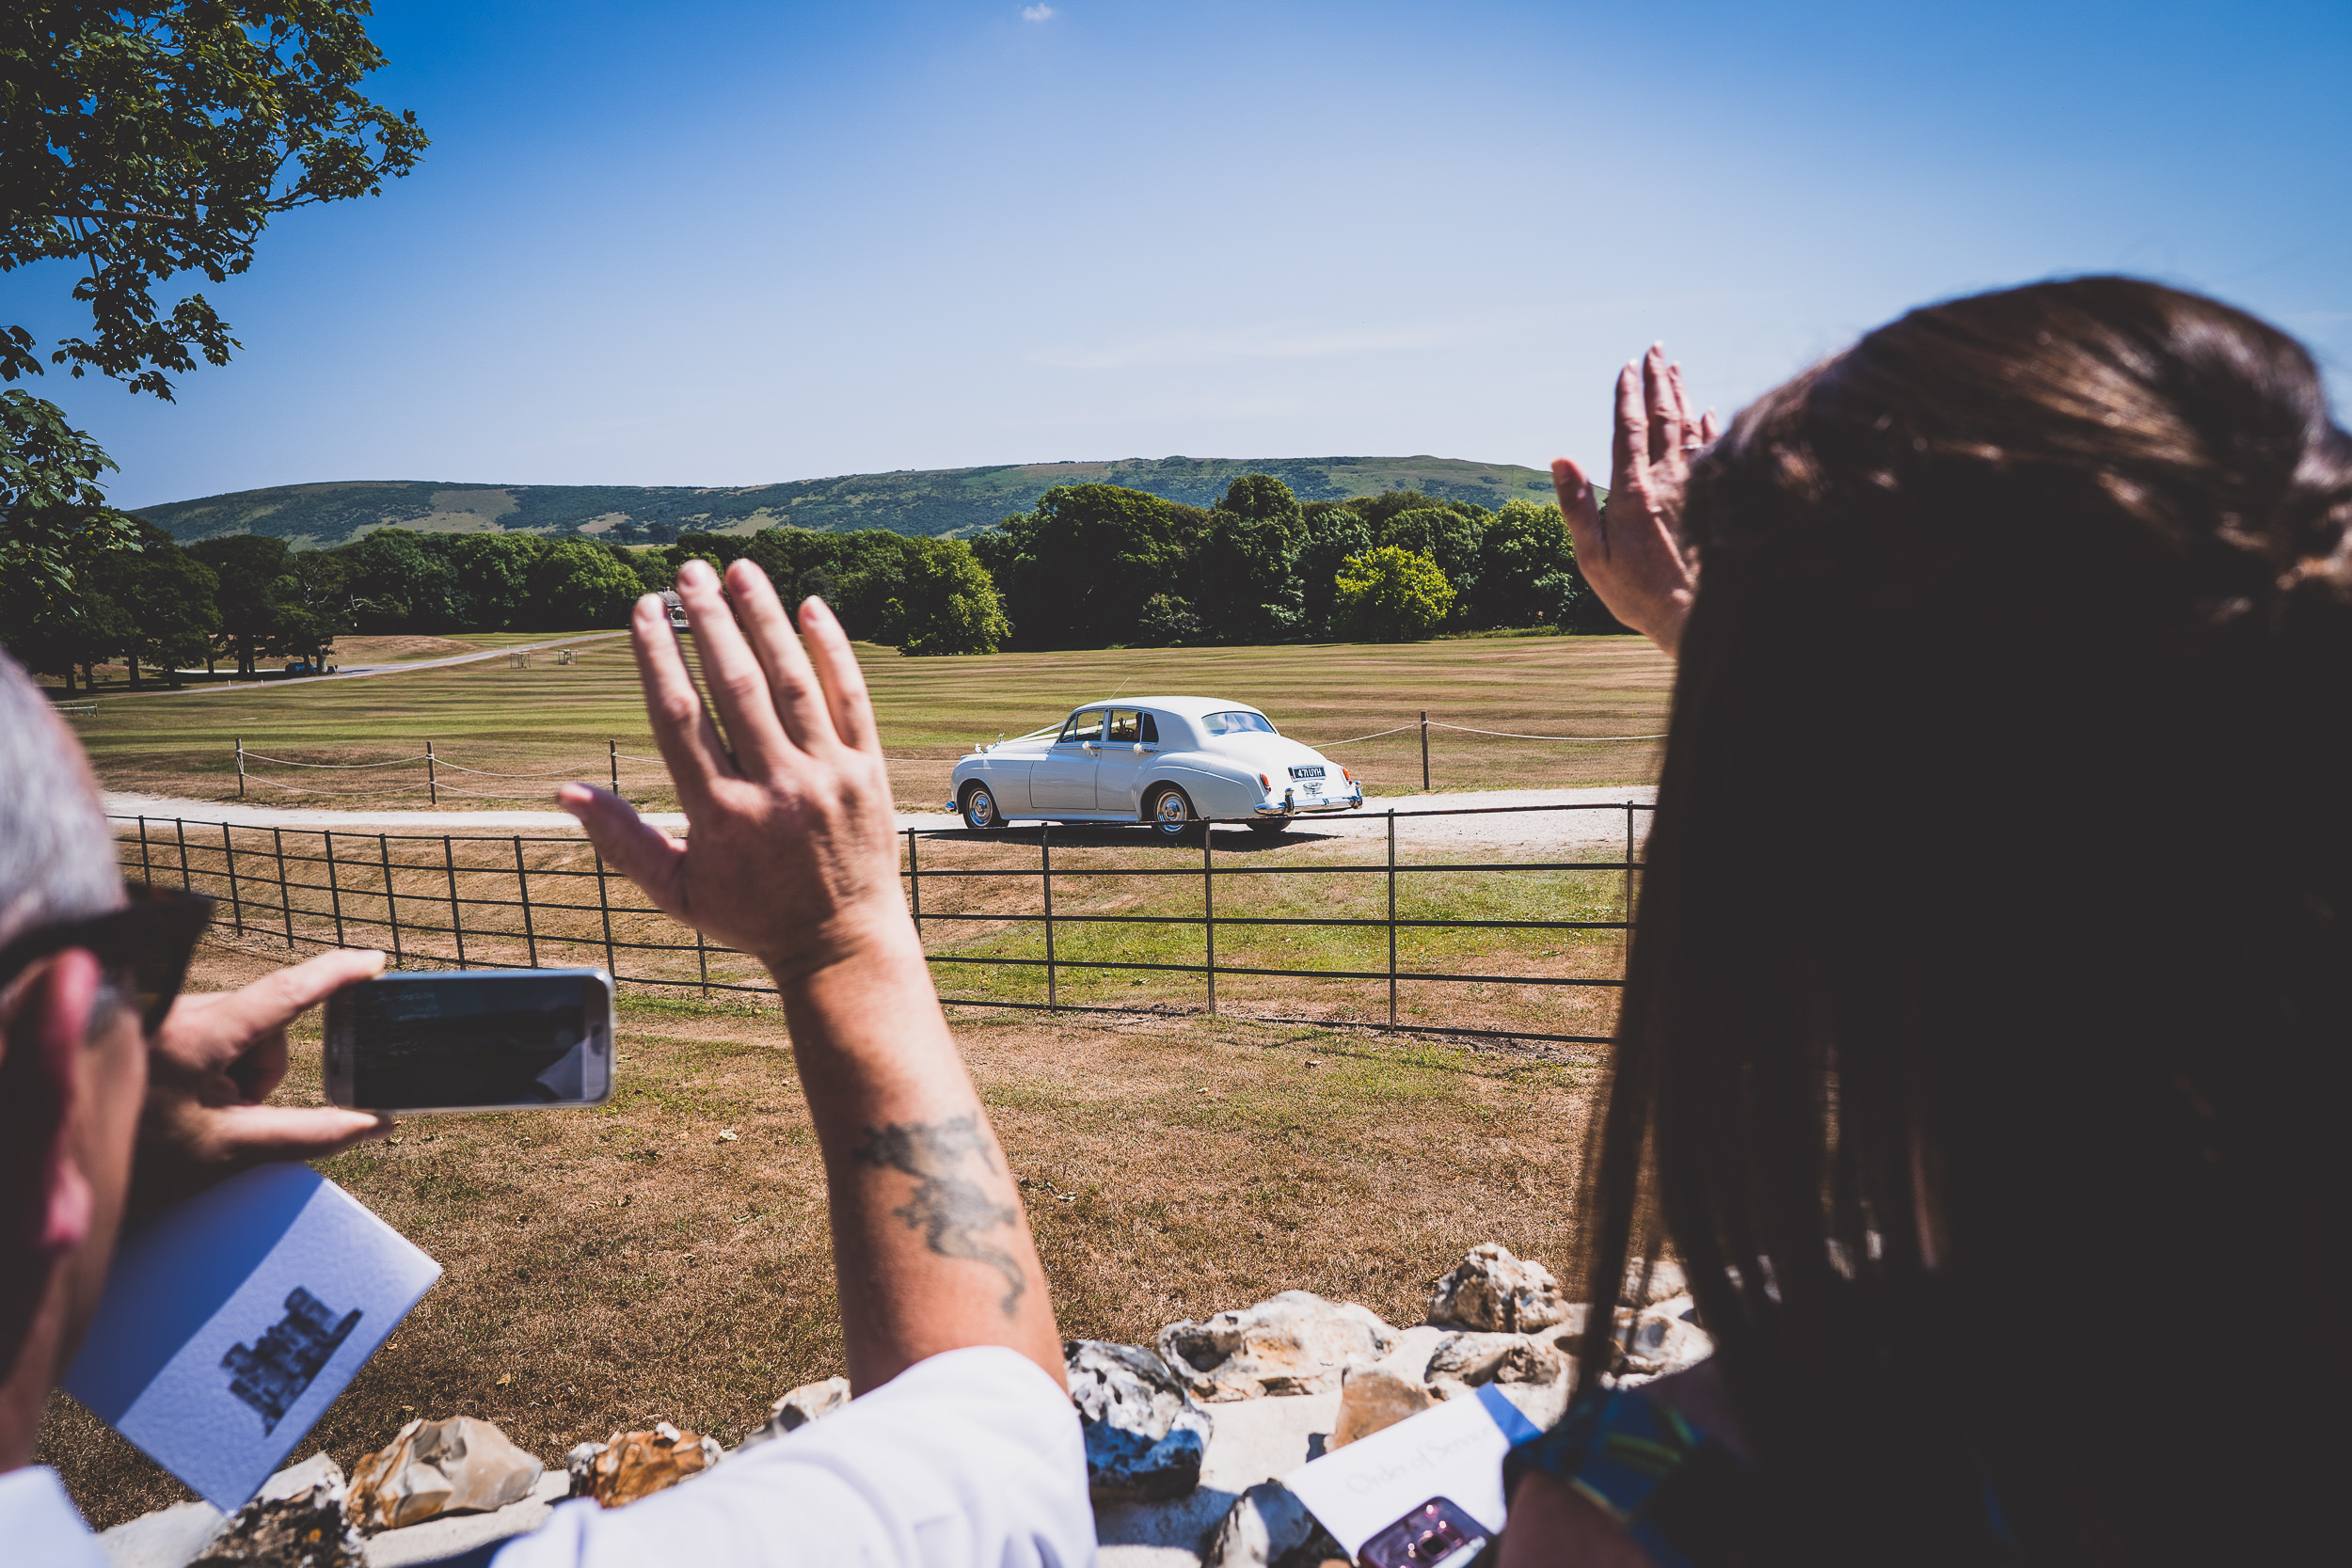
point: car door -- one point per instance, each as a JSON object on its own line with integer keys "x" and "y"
{"x": 1063, "y": 778}
{"x": 1131, "y": 744}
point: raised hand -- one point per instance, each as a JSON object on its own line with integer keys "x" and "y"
{"x": 789, "y": 854}
{"x": 212, "y": 1064}
{"x": 1634, "y": 554}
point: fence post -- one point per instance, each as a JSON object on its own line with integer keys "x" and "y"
{"x": 334, "y": 891}
{"x": 1424, "y": 752}
{"x": 285, "y": 897}
{"x": 241, "y": 768}
{"x": 229, "y": 858}
{"x": 522, "y": 885}
{"x": 147, "y": 871}
{"x": 1391, "y": 916}
{"x": 433, "y": 787}
{"x": 1208, "y": 905}
{"x": 612, "y": 755}
{"x": 1628, "y": 882}
{"x": 915, "y": 886}
{"x": 456, "y": 922}
{"x": 604, "y": 907}
{"x": 181, "y": 828}
{"x": 1045, "y": 864}
{"x": 702, "y": 962}
{"x": 391, "y": 910}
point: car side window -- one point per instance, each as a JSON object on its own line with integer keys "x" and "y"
{"x": 1083, "y": 726}
{"x": 1122, "y": 731}
{"x": 1151, "y": 730}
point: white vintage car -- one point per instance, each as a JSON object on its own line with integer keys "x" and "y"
{"x": 1171, "y": 762}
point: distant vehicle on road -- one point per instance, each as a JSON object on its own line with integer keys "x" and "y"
{"x": 1168, "y": 762}
{"x": 301, "y": 667}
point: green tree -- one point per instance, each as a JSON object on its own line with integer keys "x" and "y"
{"x": 397, "y": 583}
{"x": 574, "y": 585}
{"x": 167, "y": 600}
{"x": 57, "y": 634}
{"x": 1391, "y": 596}
{"x": 1333, "y": 531}
{"x": 140, "y": 142}
{"x": 1454, "y": 537}
{"x": 1244, "y": 569}
{"x": 259, "y": 601}
{"x": 947, "y": 604}
{"x": 1076, "y": 570}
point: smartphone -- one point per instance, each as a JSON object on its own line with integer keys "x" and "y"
{"x": 1438, "y": 1534}
{"x": 471, "y": 1040}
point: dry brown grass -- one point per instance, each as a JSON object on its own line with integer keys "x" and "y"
{"x": 609, "y": 1266}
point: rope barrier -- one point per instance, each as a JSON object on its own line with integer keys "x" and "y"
{"x": 1510, "y": 734}
{"x": 1374, "y": 736}
{"x": 287, "y": 761}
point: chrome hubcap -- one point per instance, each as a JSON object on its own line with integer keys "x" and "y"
{"x": 1172, "y": 814}
{"x": 981, "y": 809}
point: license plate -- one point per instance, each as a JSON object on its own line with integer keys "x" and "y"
{"x": 1306, "y": 772}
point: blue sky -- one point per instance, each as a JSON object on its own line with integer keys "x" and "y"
{"x": 718, "y": 244}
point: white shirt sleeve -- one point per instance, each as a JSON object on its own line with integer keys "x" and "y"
{"x": 972, "y": 1459}
{"x": 39, "y": 1523}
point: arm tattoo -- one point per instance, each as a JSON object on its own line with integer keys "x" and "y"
{"x": 950, "y": 1210}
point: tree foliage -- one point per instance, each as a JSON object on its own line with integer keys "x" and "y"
{"x": 141, "y": 141}
{"x": 1076, "y": 571}
{"x": 946, "y": 603}
{"x": 1391, "y": 596}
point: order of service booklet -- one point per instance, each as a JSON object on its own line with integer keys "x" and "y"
{"x": 1454, "y": 1451}
{"x": 230, "y": 1323}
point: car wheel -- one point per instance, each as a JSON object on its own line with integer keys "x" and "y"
{"x": 1269, "y": 827}
{"x": 1169, "y": 812}
{"x": 980, "y": 810}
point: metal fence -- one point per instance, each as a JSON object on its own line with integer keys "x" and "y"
{"x": 510, "y": 901}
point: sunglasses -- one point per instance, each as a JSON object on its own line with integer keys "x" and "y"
{"x": 150, "y": 938}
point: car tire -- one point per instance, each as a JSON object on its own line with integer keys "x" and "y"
{"x": 980, "y": 810}
{"x": 1269, "y": 827}
{"x": 1169, "y": 813}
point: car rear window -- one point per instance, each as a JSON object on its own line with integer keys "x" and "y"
{"x": 1237, "y": 722}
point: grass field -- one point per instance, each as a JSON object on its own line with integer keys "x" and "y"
{"x": 494, "y": 717}
{"x": 609, "y": 1267}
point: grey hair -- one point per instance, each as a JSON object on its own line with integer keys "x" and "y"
{"x": 57, "y": 853}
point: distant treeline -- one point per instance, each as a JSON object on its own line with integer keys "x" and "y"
{"x": 1091, "y": 567}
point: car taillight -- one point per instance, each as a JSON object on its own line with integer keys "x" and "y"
{"x": 1265, "y": 784}
{"x": 1348, "y": 776}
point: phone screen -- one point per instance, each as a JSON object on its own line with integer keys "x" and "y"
{"x": 459, "y": 1041}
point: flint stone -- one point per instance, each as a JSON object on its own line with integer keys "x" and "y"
{"x": 1665, "y": 1281}
{"x": 460, "y": 1465}
{"x": 810, "y": 1402}
{"x": 446, "y": 1535}
{"x": 1665, "y": 1341}
{"x": 1493, "y": 1291}
{"x": 1145, "y": 1438}
{"x": 1372, "y": 1398}
{"x": 1473, "y": 1360}
{"x": 1269, "y": 1528}
{"x": 167, "y": 1538}
{"x": 1295, "y": 1343}
{"x": 580, "y": 1465}
{"x": 637, "y": 1464}
{"x": 295, "y": 1521}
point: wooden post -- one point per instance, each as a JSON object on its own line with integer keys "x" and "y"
{"x": 1392, "y": 914}
{"x": 522, "y": 885}
{"x": 433, "y": 787}
{"x": 915, "y": 886}
{"x": 1208, "y": 907}
{"x": 456, "y": 922}
{"x": 334, "y": 891}
{"x": 146, "y": 869}
{"x": 240, "y": 768}
{"x": 228, "y": 858}
{"x": 181, "y": 828}
{"x": 1424, "y": 753}
{"x": 702, "y": 962}
{"x": 1045, "y": 865}
{"x": 391, "y": 910}
{"x": 612, "y": 755}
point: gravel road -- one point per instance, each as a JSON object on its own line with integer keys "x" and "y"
{"x": 361, "y": 672}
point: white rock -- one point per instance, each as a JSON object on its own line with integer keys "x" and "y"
{"x": 810, "y": 1402}
{"x": 1252, "y": 1440}
{"x": 1665, "y": 1341}
{"x": 1474, "y": 1360}
{"x": 295, "y": 1521}
{"x": 1375, "y": 1398}
{"x": 1295, "y": 1343}
{"x": 464, "y": 1463}
{"x": 449, "y": 1534}
{"x": 167, "y": 1538}
{"x": 1493, "y": 1291}
{"x": 1269, "y": 1528}
{"x": 1145, "y": 1438}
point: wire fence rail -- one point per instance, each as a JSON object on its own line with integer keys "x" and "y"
{"x": 997, "y": 910}
{"x": 434, "y": 764}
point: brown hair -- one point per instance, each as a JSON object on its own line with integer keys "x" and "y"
{"x": 1987, "y": 1046}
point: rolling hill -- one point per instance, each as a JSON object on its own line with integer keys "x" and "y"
{"x": 918, "y": 501}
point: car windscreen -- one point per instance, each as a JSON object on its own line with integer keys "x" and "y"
{"x": 1082, "y": 726}
{"x": 1237, "y": 722}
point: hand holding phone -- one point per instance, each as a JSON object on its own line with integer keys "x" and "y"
{"x": 471, "y": 1040}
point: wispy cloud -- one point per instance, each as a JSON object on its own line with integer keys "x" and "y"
{"x": 1036, "y": 13}
{"x": 1200, "y": 348}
